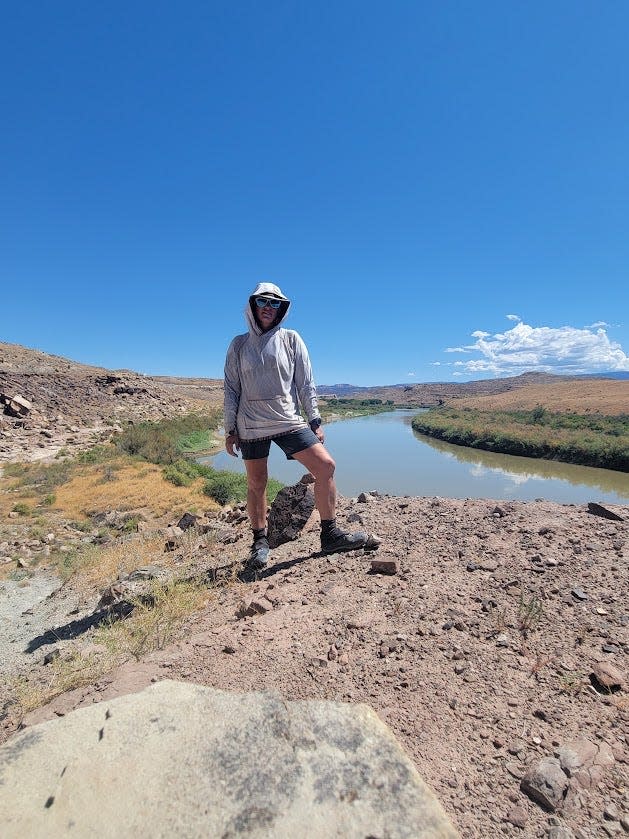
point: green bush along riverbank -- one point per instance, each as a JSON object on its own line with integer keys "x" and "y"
{"x": 332, "y": 409}
{"x": 592, "y": 440}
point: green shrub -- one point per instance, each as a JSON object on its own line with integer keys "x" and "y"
{"x": 162, "y": 442}
{"x": 97, "y": 454}
{"x": 183, "y": 472}
{"x": 49, "y": 499}
{"x": 225, "y": 486}
{"x": 22, "y": 509}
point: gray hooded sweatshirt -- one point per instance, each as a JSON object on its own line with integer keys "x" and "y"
{"x": 268, "y": 376}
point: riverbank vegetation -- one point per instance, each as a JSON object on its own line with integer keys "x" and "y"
{"x": 589, "y": 440}
{"x": 333, "y": 408}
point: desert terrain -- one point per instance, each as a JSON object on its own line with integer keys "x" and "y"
{"x": 491, "y": 636}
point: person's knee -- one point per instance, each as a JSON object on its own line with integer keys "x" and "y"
{"x": 325, "y": 470}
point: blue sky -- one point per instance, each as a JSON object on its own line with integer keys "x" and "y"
{"x": 441, "y": 188}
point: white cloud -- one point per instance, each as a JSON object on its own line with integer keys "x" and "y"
{"x": 436, "y": 363}
{"x": 514, "y": 317}
{"x": 564, "y": 349}
{"x": 598, "y": 325}
{"x": 410, "y": 374}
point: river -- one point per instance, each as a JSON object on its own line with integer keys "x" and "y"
{"x": 382, "y": 452}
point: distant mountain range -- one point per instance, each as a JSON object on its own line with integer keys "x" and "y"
{"x": 343, "y": 390}
{"x": 619, "y": 374}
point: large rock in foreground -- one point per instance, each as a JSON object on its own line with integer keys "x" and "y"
{"x": 184, "y": 760}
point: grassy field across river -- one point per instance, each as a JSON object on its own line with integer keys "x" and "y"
{"x": 583, "y": 421}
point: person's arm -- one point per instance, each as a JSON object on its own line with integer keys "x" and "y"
{"x": 306, "y": 388}
{"x": 231, "y": 399}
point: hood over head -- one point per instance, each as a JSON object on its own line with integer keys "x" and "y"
{"x": 266, "y": 290}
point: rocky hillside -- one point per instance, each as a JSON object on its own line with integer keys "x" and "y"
{"x": 51, "y": 402}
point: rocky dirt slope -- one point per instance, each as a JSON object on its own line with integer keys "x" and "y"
{"x": 480, "y": 650}
{"x": 63, "y": 404}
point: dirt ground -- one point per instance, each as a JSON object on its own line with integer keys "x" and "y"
{"x": 477, "y": 652}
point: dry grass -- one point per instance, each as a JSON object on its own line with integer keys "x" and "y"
{"x": 155, "y": 620}
{"x": 101, "y": 565}
{"x": 135, "y": 486}
{"x": 63, "y": 674}
{"x": 583, "y": 396}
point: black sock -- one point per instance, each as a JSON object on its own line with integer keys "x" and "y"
{"x": 327, "y": 526}
{"x": 259, "y": 533}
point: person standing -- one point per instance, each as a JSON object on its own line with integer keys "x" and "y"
{"x": 268, "y": 377}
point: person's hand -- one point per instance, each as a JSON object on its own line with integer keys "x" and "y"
{"x": 232, "y": 442}
{"x": 320, "y": 434}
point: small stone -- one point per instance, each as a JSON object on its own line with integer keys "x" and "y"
{"x": 52, "y": 656}
{"x": 254, "y": 606}
{"x": 545, "y": 783}
{"x": 579, "y": 593}
{"x": 517, "y": 816}
{"x": 606, "y": 676}
{"x": 514, "y": 770}
{"x": 611, "y": 813}
{"x": 384, "y": 566}
{"x": 560, "y": 832}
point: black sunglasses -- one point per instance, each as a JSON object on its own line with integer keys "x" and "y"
{"x": 261, "y": 302}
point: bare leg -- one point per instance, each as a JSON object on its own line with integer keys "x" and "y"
{"x": 318, "y": 461}
{"x": 333, "y": 539}
{"x": 257, "y": 478}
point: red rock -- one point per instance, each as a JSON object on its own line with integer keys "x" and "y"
{"x": 385, "y": 566}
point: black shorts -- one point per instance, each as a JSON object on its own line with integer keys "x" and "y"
{"x": 290, "y": 444}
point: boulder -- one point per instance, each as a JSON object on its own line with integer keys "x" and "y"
{"x": 15, "y": 406}
{"x": 290, "y": 511}
{"x": 185, "y": 760}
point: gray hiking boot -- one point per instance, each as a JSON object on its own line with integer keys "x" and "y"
{"x": 259, "y": 554}
{"x": 337, "y": 541}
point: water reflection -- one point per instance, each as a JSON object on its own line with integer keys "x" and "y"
{"x": 382, "y": 452}
{"x": 522, "y": 469}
